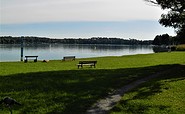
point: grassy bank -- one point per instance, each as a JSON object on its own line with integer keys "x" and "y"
{"x": 59, "y": 87}
{"x": 164, "y": 95}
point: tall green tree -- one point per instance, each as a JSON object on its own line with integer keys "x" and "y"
{"x": 162, "y": 40}
{"x": 175, "y": 17}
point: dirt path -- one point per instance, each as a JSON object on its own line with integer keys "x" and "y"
{"x": 104, "y": 105}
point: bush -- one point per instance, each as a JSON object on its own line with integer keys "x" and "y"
{"x": 180, "y": 47}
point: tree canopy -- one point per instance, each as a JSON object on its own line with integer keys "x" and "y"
{"x": 175, "y": 17}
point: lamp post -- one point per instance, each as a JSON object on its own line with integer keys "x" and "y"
{"x": 21, "y": 48}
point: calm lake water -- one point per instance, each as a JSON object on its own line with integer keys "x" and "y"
{"x": 58, "y": 51}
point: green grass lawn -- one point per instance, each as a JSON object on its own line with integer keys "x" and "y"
{"x": 163, "y": 95}
{"x": 60, "y": 87}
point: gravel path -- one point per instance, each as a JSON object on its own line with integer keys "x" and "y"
{"x": 104, "y": 105}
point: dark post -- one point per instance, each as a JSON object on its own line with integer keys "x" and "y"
{"x": 21, "y": 48}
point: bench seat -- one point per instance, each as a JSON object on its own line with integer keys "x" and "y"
{"x": 34, "y": 58}
{"x": 86, "y": 63}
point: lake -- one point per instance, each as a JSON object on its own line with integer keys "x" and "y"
{"x": 12, "y": 52}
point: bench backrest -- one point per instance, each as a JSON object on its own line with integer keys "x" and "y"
{"x": 30, "y": 56}
{"x": 87, "y": 62}
{"x": 70, "y": 57}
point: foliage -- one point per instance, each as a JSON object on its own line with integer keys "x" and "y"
{"x": 94, "y": 40}
{"x": 181, "y": 35}
{"x": 162, "y": 40}
{"x": 175, "y": 16}
{"x": 60, "y": 87}
{"x": 165, "y": 39}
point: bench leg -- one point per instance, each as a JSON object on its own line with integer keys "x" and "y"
{"x": 25, "y": 60}
{"x": 80, "y": 66}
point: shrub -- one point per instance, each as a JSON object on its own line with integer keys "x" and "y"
{"x": 180, "y": 47}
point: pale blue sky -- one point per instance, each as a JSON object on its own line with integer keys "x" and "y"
{"x": 81, "y": 18}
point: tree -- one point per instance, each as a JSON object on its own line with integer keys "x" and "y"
{"x": 175, "y": 16}
{"x": 157, "y": 40}
{"x": 162, "y": 40}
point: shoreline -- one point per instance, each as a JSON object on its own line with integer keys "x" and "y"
{"x": 40, "y": 60}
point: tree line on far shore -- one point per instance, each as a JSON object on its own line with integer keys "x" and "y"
{"x": 93, "y": 40}
{"x": 163, "y": 39}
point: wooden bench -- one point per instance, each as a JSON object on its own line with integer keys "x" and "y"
{"x": 30, "y": 57}
{"x": 88, "y": 63}
{"x": 68, "y": 58}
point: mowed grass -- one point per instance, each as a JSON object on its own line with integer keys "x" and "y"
{"x": 163, "y": 95}
{"x": 60, "y": 87}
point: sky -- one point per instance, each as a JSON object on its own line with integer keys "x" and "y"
{"x": 81, "y": 19}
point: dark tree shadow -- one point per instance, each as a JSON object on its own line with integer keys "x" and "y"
{"x": 148, "y": 89}
{"x": 71, "y": 91}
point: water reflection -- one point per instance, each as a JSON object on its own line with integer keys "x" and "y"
{"x": 158, "y": 49}
{"x": 57, "y": 51}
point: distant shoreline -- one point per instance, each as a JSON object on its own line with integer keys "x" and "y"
{"x": 93, "y": 40}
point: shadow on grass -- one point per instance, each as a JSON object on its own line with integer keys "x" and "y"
{"x": 71, "y": 91}
{"x": 139, "y": 98}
